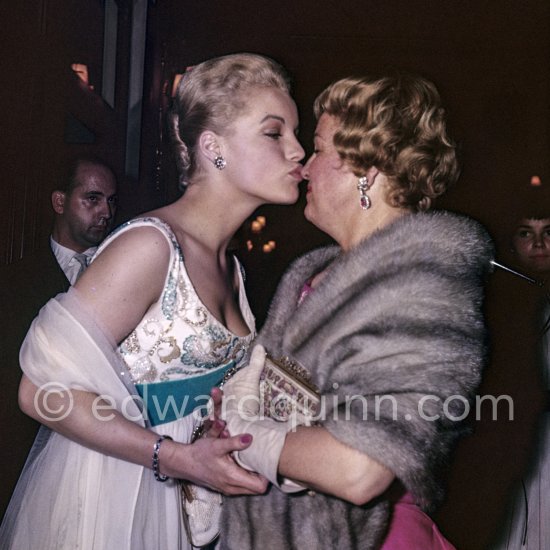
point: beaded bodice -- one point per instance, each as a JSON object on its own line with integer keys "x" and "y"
{"x": 178, "y": 337}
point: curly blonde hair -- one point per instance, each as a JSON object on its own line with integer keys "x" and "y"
{"x": 396, "y": 124}
{"x": 211, "y": 95}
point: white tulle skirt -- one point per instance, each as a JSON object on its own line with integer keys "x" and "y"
{"x": 68, "y": 496}
{"x": 71, "y": 497}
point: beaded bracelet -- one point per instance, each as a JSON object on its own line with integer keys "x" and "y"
{"x": 156, "y": 463}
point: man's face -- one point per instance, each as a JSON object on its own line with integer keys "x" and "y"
{"x": 88, "y": 211}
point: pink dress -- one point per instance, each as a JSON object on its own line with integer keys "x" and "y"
{"x": 410, "y": 528}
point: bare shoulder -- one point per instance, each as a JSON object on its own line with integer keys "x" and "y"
{"x": 139, "y": 241}
{"x": 126, "y": 278}
{"x": 140, "y": 255}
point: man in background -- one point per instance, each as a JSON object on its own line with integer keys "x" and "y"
{"x": 84, "y": 207}
{"x": 84, "y": 211}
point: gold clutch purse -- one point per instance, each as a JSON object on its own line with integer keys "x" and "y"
{"x": 287, "y": 392}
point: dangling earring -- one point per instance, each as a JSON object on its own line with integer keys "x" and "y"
{"x": 219, "y": 162}
{"x": 363, "y": 187}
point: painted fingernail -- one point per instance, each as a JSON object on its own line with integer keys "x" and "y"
{"x": 246, "y": 438}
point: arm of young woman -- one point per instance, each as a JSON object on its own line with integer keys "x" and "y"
{"x": 118, "y": 288}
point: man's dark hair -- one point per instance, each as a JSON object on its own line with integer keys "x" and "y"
{"x": 68, "y": 181}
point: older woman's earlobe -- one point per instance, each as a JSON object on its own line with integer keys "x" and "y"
{"x": 371, "y": 174}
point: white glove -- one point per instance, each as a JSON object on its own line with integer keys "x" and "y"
{"x": 240, "y": 410}
{"x": 243, "y": 388}
{"x": 265, "y": 451}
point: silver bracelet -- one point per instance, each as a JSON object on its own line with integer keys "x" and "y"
{"x": 156, "y": 463}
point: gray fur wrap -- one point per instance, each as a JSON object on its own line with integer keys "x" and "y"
{"x": 394, "y": 337}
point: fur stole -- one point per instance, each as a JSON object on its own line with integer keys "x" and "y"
{"x": 395, "y": 339}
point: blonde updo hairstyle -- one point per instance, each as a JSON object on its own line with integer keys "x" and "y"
{"x": 210, "y": 96}
{"x": 396, "y": 124}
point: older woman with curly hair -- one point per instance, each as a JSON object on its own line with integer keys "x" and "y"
{"x": 388, "y": 324}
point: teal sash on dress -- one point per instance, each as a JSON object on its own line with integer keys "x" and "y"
{"x": 168, "y": 401}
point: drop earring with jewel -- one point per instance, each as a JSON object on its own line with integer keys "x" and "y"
{"x": 363, "y": 186}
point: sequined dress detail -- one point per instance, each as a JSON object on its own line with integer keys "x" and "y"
{"x": 178, "y": 337}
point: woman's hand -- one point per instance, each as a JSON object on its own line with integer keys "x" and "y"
{"x": 214, "y": 426}
{"x": 209, "y": 462}
{"x": 241, "y": 411}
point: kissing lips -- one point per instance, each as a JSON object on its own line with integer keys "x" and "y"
{"x": 297, "y": 173}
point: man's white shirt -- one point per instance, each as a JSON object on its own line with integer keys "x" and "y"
{"x": 67, "y": 261}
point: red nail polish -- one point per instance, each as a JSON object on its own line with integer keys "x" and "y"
{"x": 246, "y": 438}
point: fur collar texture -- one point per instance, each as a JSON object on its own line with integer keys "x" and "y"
{"x": 395, "y": 339}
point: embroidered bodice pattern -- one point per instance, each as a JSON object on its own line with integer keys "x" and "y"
{"x": 178, "y": 337}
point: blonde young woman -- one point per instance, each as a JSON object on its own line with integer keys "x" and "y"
{"x": 389, "y": 325}
{"x": 162, "y": 312}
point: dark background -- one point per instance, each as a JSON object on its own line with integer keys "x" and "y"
{"x": 489, "y": 59}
